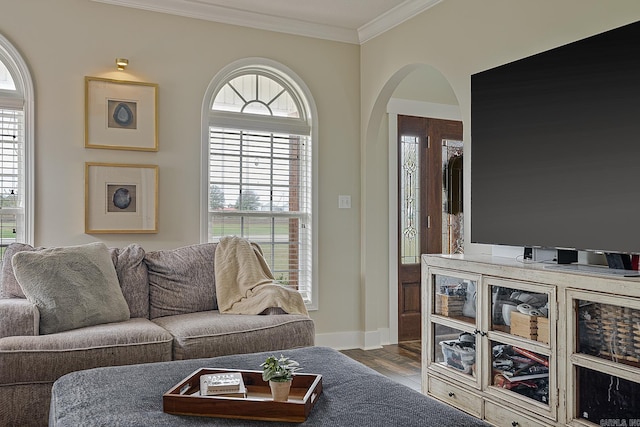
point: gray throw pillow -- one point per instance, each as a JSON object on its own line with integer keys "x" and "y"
{"x": 10, "y": 288}
{"x": 181, "y": 280}
{"x": 73, "y": 287}
{"x": 133, "y": 278}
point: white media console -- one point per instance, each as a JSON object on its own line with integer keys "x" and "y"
{"x": 577, "y": 365}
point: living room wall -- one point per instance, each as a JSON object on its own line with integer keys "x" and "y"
{"x": 458, "y": 38}
{"x": 63, "y": 41}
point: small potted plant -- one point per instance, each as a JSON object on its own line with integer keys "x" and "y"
{"x": 279, "y": 373}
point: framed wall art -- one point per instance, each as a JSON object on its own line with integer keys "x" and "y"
{"x": 121, "y": 115}
{"x": 121, "y": 198}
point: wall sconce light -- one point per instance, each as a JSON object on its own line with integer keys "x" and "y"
{"x": 122, "y": 63}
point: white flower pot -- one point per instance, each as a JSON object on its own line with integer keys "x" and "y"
{"x": 280, "y": 390}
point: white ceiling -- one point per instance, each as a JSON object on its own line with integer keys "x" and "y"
{"x": 350, "y": 21}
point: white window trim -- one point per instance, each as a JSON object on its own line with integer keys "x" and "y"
{"x": 24, "y": 86}
{"x": 217, "y": 82}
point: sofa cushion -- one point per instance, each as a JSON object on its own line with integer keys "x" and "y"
{"x": 73, "y": 286}
{"x": 45, "y": 358}
{"x": 181, "y": 280}
{"x": 9, "y": 286}
{"x": 133, "y": 278}
{"x": 210, "y": 333}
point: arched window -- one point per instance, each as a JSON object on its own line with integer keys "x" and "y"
{"x": 16, "y": 148}
{"x": 258, "y": 137}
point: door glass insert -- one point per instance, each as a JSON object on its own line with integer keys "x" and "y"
{"x": 410, "y": 199}
{"x": 455, "y": 349}
{"x": 609, "y": 331}
{"x": 520, "y": 371}
{"x": 452, "y": 216}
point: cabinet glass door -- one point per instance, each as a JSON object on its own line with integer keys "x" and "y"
{"x": 455, "y": 298}
{"x": 455, "y": 349}
{"x": 524, "y": 313}
{"x": 521, "y": 322}
{"x": 603, "y": 398}
{"x": 605, "y": 362}
{"x": 451, "y": 338}
{"x": 520, "y": 371}
{"x": 609, "y": 332}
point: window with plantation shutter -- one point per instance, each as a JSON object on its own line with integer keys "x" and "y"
{"x": 16, "y": 138}
{"x": 259, "y": 171}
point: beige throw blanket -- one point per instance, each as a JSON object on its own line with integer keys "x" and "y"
{"x": 245, "y": 284}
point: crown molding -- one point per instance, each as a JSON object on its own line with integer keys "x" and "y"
{"x": 393, "y": 17}
{"x": 200, "y": 10}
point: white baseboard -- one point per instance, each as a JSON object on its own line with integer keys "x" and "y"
{"x": 354, "y": 339}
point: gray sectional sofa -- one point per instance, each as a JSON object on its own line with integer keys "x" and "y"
{"x": 169, "y": 312}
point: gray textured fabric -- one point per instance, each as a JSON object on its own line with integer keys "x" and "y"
{"x": 73, "y": 287}
{"x": 128, "y": 261}
{"x": 353, "y": 395}
{"x": 273, "y": 310}
{"x": 34, "y": 412}
{"x": 210, "y": 333}
{"x": 47, "y": 357}
{"x": 133, "y": 278}
{"x": 19, "y": 317}
{"x": 9, "y": 286}
{"x": 181, "y": 280}
{"x": 30, "y": 365}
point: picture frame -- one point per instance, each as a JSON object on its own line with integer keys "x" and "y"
{"x": 120, "y": 114}
{"x": 121, "y": 198}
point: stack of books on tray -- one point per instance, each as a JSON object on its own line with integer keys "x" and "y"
{"x": 228, "y": 384}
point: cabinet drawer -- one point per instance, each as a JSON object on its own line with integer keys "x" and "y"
{"x": 501, "y": 416}
{"x": 459, "y": 397}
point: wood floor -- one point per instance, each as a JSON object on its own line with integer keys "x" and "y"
{"x": 399, "y": 362}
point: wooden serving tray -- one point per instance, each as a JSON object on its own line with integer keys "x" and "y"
{"x": 184, "y": 398}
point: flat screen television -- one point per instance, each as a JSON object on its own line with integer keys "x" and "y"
{"x": 555, "y": 147}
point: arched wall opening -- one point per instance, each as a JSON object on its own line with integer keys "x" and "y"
{"x": 418, "y": 90}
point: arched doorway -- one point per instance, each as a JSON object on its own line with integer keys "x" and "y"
{"x": 423, "y": 92}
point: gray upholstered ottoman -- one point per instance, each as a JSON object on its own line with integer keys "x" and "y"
{"x": 353, "y": 395}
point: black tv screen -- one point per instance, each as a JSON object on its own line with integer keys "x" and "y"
{"x": 555, "y": 147}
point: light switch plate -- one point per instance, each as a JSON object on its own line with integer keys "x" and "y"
{"x": 344, "y": 202}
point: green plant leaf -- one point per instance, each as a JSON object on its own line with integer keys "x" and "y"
{"x": 278, "y": 369}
